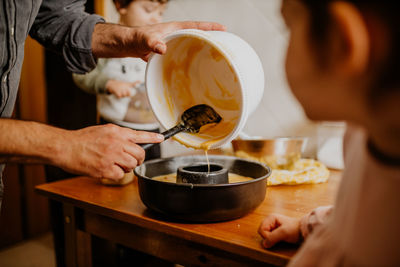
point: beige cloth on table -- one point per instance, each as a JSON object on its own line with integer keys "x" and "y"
{"x": 363, "y": 229}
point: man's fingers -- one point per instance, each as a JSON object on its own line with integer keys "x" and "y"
{"x": 128, "y": 161}
{"x": 146, "y": 57}
{"x": 115, "y": 173}
{"x": 135, "y": 151}
{"x": 156, "y": 44}
{"x": 141, "y": 137}
{"x": 202, "y": 25}
{"x": 160, "y": 48}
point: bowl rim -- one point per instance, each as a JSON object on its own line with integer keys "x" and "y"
{"x": 300, "y": 140}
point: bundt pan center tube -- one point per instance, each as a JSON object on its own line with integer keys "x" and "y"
{"x": 202, "y": 202}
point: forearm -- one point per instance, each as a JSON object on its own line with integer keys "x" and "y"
{"x": 29, "y": 142}
{"x": 113, "y": 41}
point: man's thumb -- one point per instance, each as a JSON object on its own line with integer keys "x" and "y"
{"x": 160, "y": 48}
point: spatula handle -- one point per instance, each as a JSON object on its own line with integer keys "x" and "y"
{"x": 173, "y": 131}
{"x": 167, "y": 134}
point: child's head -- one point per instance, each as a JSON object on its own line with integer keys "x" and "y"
{"x": 140, "y": 12}
{"x": 343, "y": 59}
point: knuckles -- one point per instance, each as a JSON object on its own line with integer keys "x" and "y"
{"x": 103, "y": 166}
{"x": 117, "y": 174}
{"x": 112, "y": 128}
{"x": 109, "y": 145}
{"x": 133, "y": 163}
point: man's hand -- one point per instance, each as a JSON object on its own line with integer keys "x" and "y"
{"x": 276, "y": 228}
{"x": 104, "y": 151}
{"x": 120, "y": 88}
{"x": 111, "y": 40}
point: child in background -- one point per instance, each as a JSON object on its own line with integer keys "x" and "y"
{"x": 119, "y": 82}
{"x": 343, "y": 64}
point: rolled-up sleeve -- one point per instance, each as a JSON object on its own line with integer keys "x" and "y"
{"x": 64, "y": 27}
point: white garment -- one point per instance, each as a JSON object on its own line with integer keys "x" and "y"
{"x": 363, "y": 229}
{"x": 110, "y": 107}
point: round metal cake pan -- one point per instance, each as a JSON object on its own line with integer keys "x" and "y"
{"x": 202, "y": 202}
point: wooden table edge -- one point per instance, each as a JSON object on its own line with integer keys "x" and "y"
{"x": 261, "y": 254}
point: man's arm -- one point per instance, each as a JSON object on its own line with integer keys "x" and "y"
{"x": 99, "y": 151}
{"x": 63, "y": 26}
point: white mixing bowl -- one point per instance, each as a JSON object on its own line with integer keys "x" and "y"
{"x": 205, "y": 67}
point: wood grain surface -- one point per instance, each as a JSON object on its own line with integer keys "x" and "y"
{"x": 239, "y": 237}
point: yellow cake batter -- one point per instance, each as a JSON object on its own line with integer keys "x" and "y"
{"x": 201, "y": 75}
{"x": 233, "y": 178}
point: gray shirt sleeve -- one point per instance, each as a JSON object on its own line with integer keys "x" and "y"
{"x": 64, "y": 27}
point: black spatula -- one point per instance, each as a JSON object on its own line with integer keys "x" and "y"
{"x": 192, "y": 120}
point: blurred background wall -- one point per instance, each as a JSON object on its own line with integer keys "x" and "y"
{"x": 260, "y": 24}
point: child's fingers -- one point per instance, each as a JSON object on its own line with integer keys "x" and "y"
{"x": 267, "y": 225}
{"x": 273, "y": 237}
{"x": 262, "y": 231}
{"x": 135, "y": 83}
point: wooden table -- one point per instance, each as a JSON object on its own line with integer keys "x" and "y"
{"x": 117, "y": 214}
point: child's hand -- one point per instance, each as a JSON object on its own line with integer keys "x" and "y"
{"x": 276, "y": 228}
{"x": 120, "y": 88}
